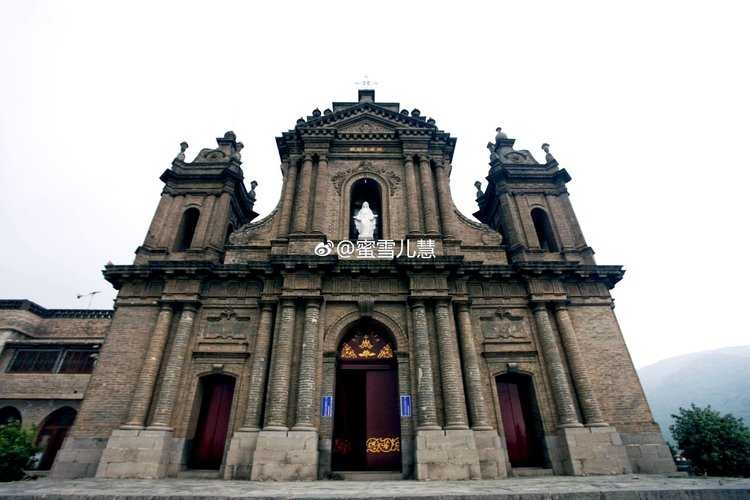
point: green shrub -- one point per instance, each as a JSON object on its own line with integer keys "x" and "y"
{"x": 16, "y": 449}
{"x": 716, "y": 445}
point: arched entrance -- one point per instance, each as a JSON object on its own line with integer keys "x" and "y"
{"x": 522, "y": 423}
{"x": 366, "y": 427}
{"x": 216, "y": 393}
{"x": 52, "y": 434}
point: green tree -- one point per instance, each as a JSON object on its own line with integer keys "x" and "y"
{"x": 716, "y": 445}
{"x": 16, "y": 449}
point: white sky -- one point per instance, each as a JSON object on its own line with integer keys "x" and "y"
{"x": 646, "y": 105}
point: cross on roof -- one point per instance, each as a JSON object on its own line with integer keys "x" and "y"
{"x": 366, "y": 83}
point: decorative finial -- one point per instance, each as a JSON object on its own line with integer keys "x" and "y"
{"x": 327, "y": 111}
{"x": 500, "y": 134}
{"x": 415, "y": 113}
{"x": 316, "y": 112}
{"x": 229, "y": 134}
{"x": 493, "y": 151}
{"x": 405, "y": 112}
{"x": 237, "y": 148}
{"x": 478, "y": 185}
{"x": 431, "y": 121}
{"x": 547, "y": 156}
{"x": 251, "y": 194}
{"x": 300, "y": 121}
{"x": 181, "y": 155}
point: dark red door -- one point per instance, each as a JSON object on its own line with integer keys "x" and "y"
{"x": 383, "y": 436}
{"x": 213, "y": 422}
{"x": 514, "y": 422}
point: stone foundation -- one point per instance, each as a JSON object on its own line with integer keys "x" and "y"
{"x": 285, "y": 456}
{"x": 78, "y": 457}
{"x": 446, "y": 455}
{"x": 136, "y": 453}
{"x": 490, "y": 449}
{"x": 593, "y": 450}
{"x": 648, "y": 453}
{"x": 239, "y": 459}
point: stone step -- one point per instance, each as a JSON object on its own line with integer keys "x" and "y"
{"x": 530, "y": 472}
{"x": 369, "y": 475}
{"x": 199, "y": 474}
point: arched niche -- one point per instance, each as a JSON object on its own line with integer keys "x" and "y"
{"x": 52, "y": 433}
{"x": 349, "y": 204}
{"x": 343, "y": 326}
{"x": 10, "y": 414}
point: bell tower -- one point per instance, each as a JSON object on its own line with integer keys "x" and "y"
{"x": 527, "y": 202}
{"x": 203, "y": 201}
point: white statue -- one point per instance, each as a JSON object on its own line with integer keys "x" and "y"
{"x": 365, "y": 222}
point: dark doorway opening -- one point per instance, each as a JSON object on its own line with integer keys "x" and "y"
{"x": 216, "y": 392}
{"x": 522, "y": 423}
{"x": 367, "y": 427}
{"x": 52, "y": 434}
{"x": 9, "y": 414}
{"x": 366, "y": 190}
{"x": 187, "y": 229}
{"x": 543, "y": 229}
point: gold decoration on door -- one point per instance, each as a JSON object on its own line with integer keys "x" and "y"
{"x": 383, "y": 444}
{"x": 366, "y": 346}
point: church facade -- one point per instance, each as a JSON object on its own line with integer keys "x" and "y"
{"x": 365, "y": 326}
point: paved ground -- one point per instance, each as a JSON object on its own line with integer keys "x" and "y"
{"x": 555, "y": 487}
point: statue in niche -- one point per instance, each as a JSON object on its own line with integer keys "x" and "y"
{"x": 365, "y": 222}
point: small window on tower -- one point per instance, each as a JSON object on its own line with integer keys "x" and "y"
{"x": 187, "y": 229}
{"x": 543, "y": 230}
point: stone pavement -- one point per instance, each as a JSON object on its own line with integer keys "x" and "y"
{"x": 551, "y": 487}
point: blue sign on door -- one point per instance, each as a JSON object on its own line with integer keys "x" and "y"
{"x": 406, "y": 405}
{"x": 326, "y": 406}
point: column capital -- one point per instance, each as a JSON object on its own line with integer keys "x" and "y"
{"x": 190, "y": 306}
{"x": 538, "y": 305}
{"x": 462, "y": 305}
{"x": 322, "y": 157}
{"x": 443, "y": 301}
{"x": 287, "y": 302}
{"x": 165, "y": 304}
{"x": 415, "y": 303}
{"x": 307, "y": 157}
{"x": 423, "y": 157}
{"x": 314, "y": 302}
{"x": 408, "y": 158}
{"x": 560, "y": 305}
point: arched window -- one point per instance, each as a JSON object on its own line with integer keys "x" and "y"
{"x": 9, "y": 414}
{"x": 543, "y": 230}
{"x": 187, "y": 229}
{"x": 366, "y": 190}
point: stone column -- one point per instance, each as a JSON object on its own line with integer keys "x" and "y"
{"x": 447, "y": 217}
{"x": 472, "y": 374}
{"x": 428, "y": 195}
{"x": 288, "y": 197}
{"x": 320, "y": 195}
{"x": 278, "y": 398}
{"x": 454, "y": 399}
{"x": 302, "y": 207}
{"x": 144, "y": 388}
{"x": 427, "y": 413}
{"x": 412, "y": 198}
{"x": 307, "y": 372}
{"x": 172, "y": 371}
{"x": 566, "y": 413}
{"x": 259, "y": 370}
{"x": 592, "y": 413}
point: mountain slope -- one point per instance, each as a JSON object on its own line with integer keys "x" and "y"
{"x": 720, "y": 378}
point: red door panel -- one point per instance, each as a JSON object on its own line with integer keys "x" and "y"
{"x": 213, "y": 423}
{"x": 514, "y": 423}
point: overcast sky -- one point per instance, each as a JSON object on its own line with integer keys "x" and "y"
{"x": 645, "y": 104}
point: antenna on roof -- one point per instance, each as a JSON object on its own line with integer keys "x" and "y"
{"x": 90, "y": 295}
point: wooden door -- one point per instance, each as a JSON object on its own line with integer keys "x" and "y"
{"x": 515, "y": 423}
{"x": 383, "y": 437}
{"x": 213, "y": 422}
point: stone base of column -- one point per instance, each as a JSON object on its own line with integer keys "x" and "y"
{"x": 593, "y": 450}
{"x": 239, "y": 459}
{"x": 446, "y": 455}
{"x": 285, "y": 456}
{"x": 137, "y": 453}
{"x": 78, "y": 457}
{"x": 648, "y": 453}
{"x": 492, "y": 461}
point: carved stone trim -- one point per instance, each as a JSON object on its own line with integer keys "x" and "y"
{"x": 394, "y": 181}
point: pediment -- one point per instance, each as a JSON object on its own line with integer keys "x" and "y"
{"x": 367, "y": 118}
{"x": 364, "y": 125}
